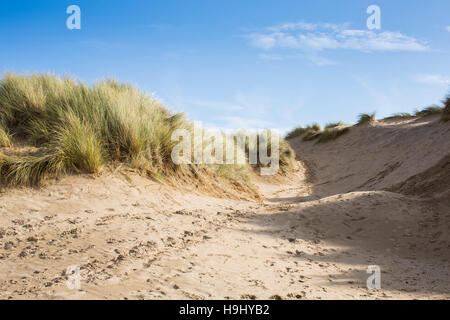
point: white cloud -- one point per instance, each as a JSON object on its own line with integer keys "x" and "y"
{"x": 447, "y": 28}
{"x": 313, "y": 58}
{"x": 433, "y": 79}
{"x": 319, "y": 37}
{"x": 320, "y": 61}
{"x": 305, "y": 26}
{"x": 263, "y": 41}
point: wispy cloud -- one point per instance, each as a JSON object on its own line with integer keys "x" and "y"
{"x": 320, "y": 37}
{"x": 319, "y": 61}
{"x": 312, "y": 57}
{"x": 433, "y": 79}
{"x": 447, "y": 28}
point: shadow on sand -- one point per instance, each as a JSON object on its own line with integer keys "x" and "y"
{"x": 406, "y": 237}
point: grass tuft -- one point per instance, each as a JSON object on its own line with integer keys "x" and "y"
{"x": 334, "y": 125}
{"x": 314, "y": 132}
{"x": 5, "y": 137}
{"x": 429, "y": 111}
{"x": 332, "y": 133}
{"x": 79, "y": 146}
{"x": 401, "y": 115}
{"x": 295, "y": 133}
{"x": 30, "y": 169}
{"x": 364, "y": 118}
{"x": 309, "y": 132}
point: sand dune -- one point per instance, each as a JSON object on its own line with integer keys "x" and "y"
{"x": 376, "y": 156}
{"x": 380, "y": 195}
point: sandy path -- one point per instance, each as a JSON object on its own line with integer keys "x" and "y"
{"x": 142, "y": 240}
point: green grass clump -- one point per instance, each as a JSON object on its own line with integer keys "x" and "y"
{"x": 314, "y": 132}
{"x": 286, "y": 153}
{"x": 79, "y": 146}
{"x": 334, "y": 125}
{"x": 400, "y": 115}
{"x": 295, "y": 133}
{"x": 86, "y": 126}
{"x": 5, "y": 136}
{"x": 74, "y": 127}
{"x": 429, "y": 111}
{"x": 364, "y": 118}
{"x": 332, "y": 133}
{"x": 287, "y": 156}
{"x": 309, "y": 131}
{"x": 30, "y": 169}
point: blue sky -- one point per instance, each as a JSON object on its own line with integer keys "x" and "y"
{"x": 243, "y": 64}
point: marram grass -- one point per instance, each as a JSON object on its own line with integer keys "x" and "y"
{"x": 332, "y": 133}
{"x": 334, "y": 130}
{"x": 364, "y": 118}
{"x": 5, "y": 137}
{"x": 334, "y": 125}
{"x": 312, "y": 132}
{"x": 308, "y": 133}
{"x": 429, "y": 111}
{"x": 81, "y": 128}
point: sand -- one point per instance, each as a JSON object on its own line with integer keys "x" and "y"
{"x": 376, "y": 196}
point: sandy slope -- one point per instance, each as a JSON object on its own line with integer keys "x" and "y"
{"x": 369, "y": 198}
{"x": 376, "y": 157}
